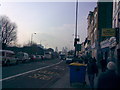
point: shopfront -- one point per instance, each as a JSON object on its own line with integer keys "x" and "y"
{"x": 112, "y": 47}
{"x": 105, "y": 50}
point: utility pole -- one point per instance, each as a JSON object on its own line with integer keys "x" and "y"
{"x": 76, "y": 39}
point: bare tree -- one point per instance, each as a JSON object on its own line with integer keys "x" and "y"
{"x": 8, "y": 31}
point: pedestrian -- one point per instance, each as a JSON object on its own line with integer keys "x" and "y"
{"x": 108, "y": 79}
{"x": 85, "y": 60}
{"x": 103, "y": 63}
{"x": 94, "y": 59}
{"x": 92, "y": 70}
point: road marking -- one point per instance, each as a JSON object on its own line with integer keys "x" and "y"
{"x": 28, "y": 72}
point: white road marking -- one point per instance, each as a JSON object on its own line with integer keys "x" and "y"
{"x": 28, "y": 72}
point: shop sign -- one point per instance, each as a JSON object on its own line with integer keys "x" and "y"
{"x": 108, "y": 32}
{"x": 105, "y": 43}
{"x": 113, "y": 42}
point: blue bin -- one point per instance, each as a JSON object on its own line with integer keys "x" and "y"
{"x": 77, "y": 74}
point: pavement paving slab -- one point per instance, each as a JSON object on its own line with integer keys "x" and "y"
{"x": 64, "y": 82}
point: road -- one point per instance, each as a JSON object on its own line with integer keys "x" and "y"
{"x": 42, "y": 74}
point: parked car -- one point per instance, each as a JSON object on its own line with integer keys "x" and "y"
{"x": 22, "y": 57}
{"x": 7, "y": 57}
{"x": 42, "y": 57}
{"x": 38, "y": 56}
{"x": 47, "y": 55}
{"x": 32, "y": 57}
{"x": 62, "y": 57}
{"x": 69, "y": 59}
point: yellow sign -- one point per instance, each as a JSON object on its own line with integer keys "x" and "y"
{"x": 108, "y": 32}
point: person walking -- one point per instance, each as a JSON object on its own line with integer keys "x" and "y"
{"x": 94, "y": 59}
{"x": 92, "y": 70}
{"x": 108, "y": 79}
{"x": 103, "y": 63}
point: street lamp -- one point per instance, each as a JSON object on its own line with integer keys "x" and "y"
{"x": 76, "y": 39}
{"x": 32, "y": 37}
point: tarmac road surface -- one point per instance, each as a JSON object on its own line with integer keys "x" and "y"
{"x": 42, "y": 77}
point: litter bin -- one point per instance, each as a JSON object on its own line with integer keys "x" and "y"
{"x": 77, "y": 73}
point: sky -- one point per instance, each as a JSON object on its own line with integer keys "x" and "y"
{"x": 53, "y": 22}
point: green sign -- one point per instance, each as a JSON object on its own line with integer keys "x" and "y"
{"x": 108, "y": 32}
{"x": 78, "y": 47}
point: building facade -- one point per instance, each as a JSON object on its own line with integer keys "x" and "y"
{"x": 99, "y": 19}
{"x": 104, "y": 19}
{"x": 115, "y": 52}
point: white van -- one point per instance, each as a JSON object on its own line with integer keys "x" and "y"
{"x": 47, "y": 55}
{"x": 8, "y": 57}
{"x": 22, "y": 56}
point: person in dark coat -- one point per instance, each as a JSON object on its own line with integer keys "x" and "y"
{"x": 103, "y": 63}
{"x": 92, "y": 70}
{"x": 108, "y": 79}
{"x": 94, "y": 59}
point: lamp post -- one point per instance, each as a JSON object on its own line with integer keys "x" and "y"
{"x": 32, "y": 37}
{"x": 76, "y": 39}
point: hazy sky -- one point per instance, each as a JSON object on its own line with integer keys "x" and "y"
{"x": 53, "y": 22}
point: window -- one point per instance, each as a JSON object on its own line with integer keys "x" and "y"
{"x": 114, "y": 22}
{"x": 10, "y": 54}
{"x": 118, "y": 24}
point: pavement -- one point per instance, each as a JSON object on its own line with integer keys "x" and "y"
{"x": 64, "y": 82}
